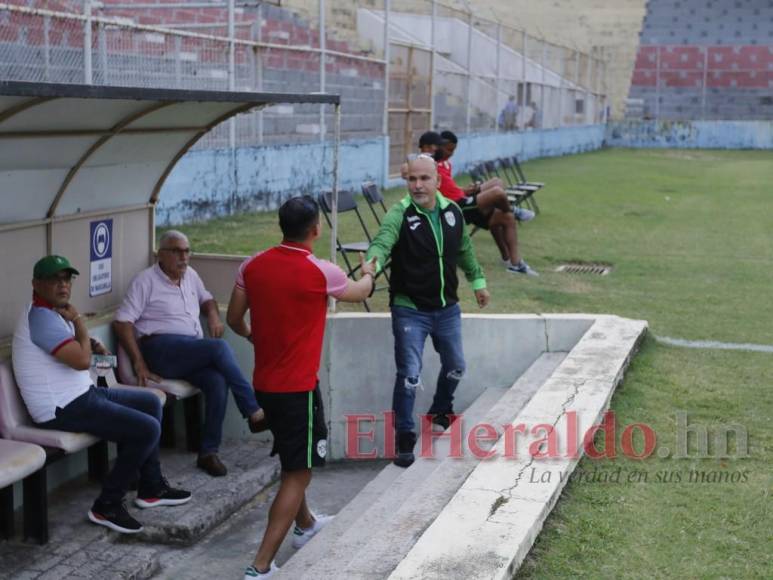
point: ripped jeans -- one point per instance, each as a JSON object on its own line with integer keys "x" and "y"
{"x": 410, "y": 328}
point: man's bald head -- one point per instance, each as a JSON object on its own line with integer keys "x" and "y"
{"x": 422, "y": 181}
{"x": 422, "y": 163}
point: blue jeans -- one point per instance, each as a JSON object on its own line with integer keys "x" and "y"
{"x": 210, "y": 364}
{"x": 130, "y": 418}
{"x": 410, "y": 328}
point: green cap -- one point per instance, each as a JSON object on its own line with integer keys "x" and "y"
{"x": 50, "y": 265}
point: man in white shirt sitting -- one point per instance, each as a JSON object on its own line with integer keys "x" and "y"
{"x": 51, "y": 359}
{"x": 158, "y": 326}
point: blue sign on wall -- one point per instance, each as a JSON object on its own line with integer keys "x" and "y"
{"x": 101, "y": 271}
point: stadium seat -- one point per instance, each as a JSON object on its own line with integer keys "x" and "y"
{"x": 174, "y": 389}
{"x": 18, "y": 462}
{"x": 17, "y": 425}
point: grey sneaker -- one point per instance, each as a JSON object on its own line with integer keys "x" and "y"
{"x": 523, "y": 215}
{"x": 522, "y": 268}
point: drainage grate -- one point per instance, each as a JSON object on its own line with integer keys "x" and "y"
{"x": 585, "y": 268}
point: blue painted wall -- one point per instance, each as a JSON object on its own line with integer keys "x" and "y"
{"x": 215, "y": 182}
{"x": 209, "y": 183}
{"x": 475, "y": 148}
{"x": 691, "y": 134}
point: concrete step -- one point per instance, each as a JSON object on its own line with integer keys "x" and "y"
{"x": 370, "y": 536}
{"x": 250, "y": 469}
{"x": 79, "y": 549}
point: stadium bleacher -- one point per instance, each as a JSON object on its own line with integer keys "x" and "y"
{"x": 726, "y": 44}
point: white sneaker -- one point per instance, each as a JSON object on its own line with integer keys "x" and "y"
{"x": 301, "y": 537}
{"x": 251, "y": 573}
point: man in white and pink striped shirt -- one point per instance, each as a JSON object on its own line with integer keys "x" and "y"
{"x": 158, "y": 326}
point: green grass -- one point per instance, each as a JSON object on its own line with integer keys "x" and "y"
{"x": 689, "y": 235}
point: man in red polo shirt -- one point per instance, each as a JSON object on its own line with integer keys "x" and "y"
{"x": 285, "y": 290}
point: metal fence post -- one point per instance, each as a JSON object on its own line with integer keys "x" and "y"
{"x": 87, "y": 70}
{"x": 544, "y": 86}
{"x": 468, "y": 117}
{"x": 433, "y": 67}
{"x": 604, "y": 84}
{"x": 576, "y": 85}
{"x": 590, "y": 115}
{"x": 524, "y": 44}
{"x": 178, "y": 65}
{"x": 46, "y": 48}
{"x": 499, "y": 76}
{"x": 259, "y": 69}
{"x": 385, "y": 120}
{"x": 322, "y": 66}
{"x": 334, "y": 196}
{"x": 561, "y": 73}
{"x": 102, "y": 41}
{"x": 252, "y": 80}
{"x": 231, "y": 87}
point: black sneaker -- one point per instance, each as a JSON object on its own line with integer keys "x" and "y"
{"x": 444, "y": 420}
{"x": 115, "y": 517}
{"x": 406, "y": 441}
{"x": 164, "y": 495}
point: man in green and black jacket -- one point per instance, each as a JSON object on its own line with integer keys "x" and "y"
{"x": 425, "y": 236}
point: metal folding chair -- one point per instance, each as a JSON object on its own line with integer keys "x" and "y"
{"x": 522, "y": 176}
{"x": 525, "y": 184}
{"x": 372, "y": 195}
{"x": 514, "y": 195}
{"x": 524, "y": 192}
{"x": 346, "y": 203}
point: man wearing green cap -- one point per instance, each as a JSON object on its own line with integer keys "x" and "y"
{"x": 51, "y": 359}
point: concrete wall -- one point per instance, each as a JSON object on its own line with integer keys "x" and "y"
{"x": 360, "y": 379}
{"x": 213, "y": 182}
{"x": 202, "y": 184}
{"x": 20, "y": 248}
{"x": 692, "y": 134}
{"x": 478, "y": 147}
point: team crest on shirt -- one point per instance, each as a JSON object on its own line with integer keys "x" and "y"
{"x": 322, "y": 448}
{"x": 450, "y": 218}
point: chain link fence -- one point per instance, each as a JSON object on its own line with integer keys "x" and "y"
{"x": 414, "y": 65}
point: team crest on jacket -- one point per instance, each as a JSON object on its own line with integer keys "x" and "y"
{"x": 450, "y": 218}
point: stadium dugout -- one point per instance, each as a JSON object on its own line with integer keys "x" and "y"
{"x": 82, "y": 169}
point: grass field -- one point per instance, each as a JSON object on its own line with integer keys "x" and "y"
{"x": 690, "y": 237}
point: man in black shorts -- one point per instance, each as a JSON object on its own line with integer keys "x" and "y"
{"x": 486, "y": 206}
{"x": 286, "y": 289}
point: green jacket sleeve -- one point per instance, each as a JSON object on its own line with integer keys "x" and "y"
{"x": 386, "y": 238}
{"x": 469, "y": 263}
